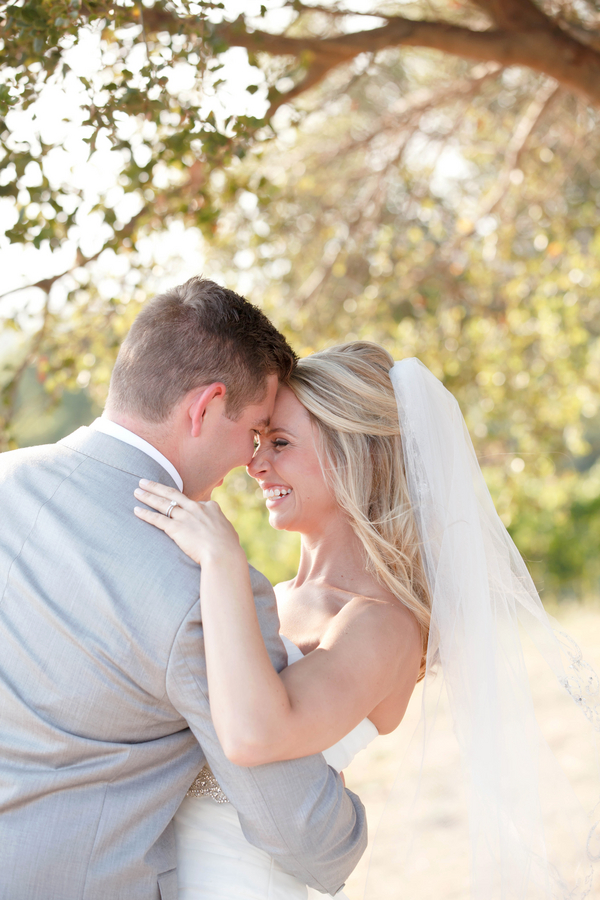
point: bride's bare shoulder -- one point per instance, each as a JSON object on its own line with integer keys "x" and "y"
{"x": 386, "y": 619}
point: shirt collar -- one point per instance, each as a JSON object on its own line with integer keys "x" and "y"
{"x": 107, "y": 426}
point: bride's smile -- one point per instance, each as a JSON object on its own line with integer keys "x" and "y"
{"x": 275, "y": 494}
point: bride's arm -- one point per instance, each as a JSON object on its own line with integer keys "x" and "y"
{"x": 261, "y": 716}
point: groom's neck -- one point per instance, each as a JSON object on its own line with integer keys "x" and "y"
{"x": 157, "y": 434}
{"x": 172, "y": 438}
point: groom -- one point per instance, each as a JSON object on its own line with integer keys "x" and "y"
{"x": 104, "y": 712}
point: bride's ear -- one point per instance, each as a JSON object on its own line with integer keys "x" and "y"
{"x": 202, "y": 402}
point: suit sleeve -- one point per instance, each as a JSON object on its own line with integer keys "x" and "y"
{"x": 297, "y": 811}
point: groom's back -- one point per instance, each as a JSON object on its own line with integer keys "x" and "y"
{"x": 101, "y": 652}
{"x": 91, "y": 600}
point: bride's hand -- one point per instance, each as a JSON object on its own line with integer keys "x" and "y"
{"x": 200, "y": 529}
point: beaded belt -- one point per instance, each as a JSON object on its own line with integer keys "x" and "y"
{"x": 206, "y": 785}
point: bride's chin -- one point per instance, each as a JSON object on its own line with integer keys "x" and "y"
{"x": 279, "y": 521}
{"x": 275, "y": 521}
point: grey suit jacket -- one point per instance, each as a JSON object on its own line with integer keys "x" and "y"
{"x": 104, "y": 715}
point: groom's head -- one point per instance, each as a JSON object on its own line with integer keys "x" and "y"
{"x": 196, "y": 376}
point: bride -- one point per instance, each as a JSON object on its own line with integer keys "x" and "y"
{"x": 405, "y": 568}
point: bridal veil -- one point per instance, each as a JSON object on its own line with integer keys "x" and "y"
{"x": 528, "y": 836}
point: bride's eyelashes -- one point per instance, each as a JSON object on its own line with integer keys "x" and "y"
{"x": 276, "y": 443}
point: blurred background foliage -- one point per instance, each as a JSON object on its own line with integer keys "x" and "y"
{"x": 444, "y": 207}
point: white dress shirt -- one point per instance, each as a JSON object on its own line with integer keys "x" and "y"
{"x": 106, "y": 426}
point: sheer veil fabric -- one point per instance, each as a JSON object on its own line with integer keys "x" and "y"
{"x": 528, "y": 836}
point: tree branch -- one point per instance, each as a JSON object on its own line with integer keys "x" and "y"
{"x": 527, "y": 37}
{"x": 314, "y": 76}
{"x": 406, "y": 111}
{"x": 515, "y": 15}
{"x": 583, "y": 35}
{"x": 46, "y": 284}
{"x": 335, "y": 12}
{"x": 548, "y": 50}
{"x": 514, "y": 149}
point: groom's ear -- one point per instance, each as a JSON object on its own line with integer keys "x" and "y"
{"x": 200, "y": 404}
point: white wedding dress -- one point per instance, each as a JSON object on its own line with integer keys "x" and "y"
{"x": 214, "y": 859}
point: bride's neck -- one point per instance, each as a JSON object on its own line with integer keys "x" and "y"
{"x": 333, "y": 555}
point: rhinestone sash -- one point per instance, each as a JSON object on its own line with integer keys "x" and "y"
{"x": 206, "y": 785}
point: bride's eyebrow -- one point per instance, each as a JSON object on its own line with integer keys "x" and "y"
{"x": 271, "y": 429}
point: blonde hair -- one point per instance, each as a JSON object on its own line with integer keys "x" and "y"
{"x": 349, "y": 395}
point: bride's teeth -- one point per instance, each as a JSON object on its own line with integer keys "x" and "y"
{"x": 270, "y": 493}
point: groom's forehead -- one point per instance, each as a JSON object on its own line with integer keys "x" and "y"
{"x": 262, "y": 424}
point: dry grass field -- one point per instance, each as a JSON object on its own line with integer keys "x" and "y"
{"x": 439, "y": 871}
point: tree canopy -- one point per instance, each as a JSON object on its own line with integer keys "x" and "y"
{"x": 424, "y": 174}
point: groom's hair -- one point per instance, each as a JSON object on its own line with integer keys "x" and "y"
{"x": 193, "y": 335}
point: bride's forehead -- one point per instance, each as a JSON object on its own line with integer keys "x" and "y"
{"x": 287, "y": 409}
{"x": 286, "y": 399}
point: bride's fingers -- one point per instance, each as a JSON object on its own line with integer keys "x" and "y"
{"x": 153, "y": 518}
{"x": 154, "y": 488}
{"x": 159, "y": 503}
{"x": 171, "y": 505}
{"x": 164, "y": 504}
{"x": 198, "y": 515}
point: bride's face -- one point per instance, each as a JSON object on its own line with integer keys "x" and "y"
{"x": 287, "y": 467}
